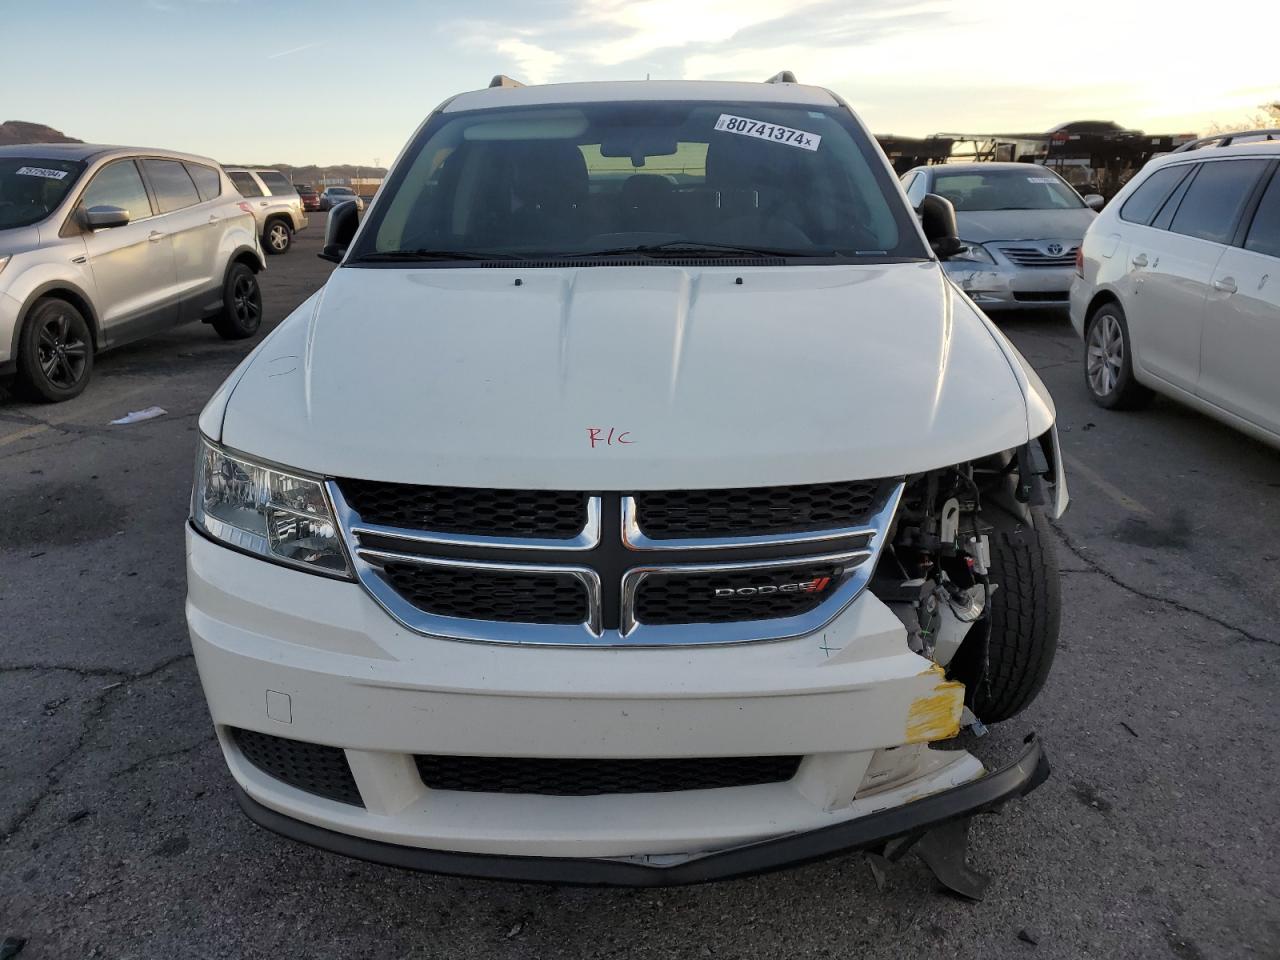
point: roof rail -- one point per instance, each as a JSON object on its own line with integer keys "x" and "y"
{"x": 502, "y": 80}
{"x": 1226, "y": 139}
{"x": 783, "y": 76}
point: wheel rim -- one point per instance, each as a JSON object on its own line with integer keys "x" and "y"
{"x": 278, "y": 237}
{"x": 245, "y": 300}
{"x": 61, "y": 352}
{"x": 1105, "y": 354}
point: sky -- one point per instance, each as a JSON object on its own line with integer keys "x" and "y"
{"x": 277, "y": 81}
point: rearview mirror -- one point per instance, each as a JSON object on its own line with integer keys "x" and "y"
{"x": 338, "y": 232}
{"x": 1095, "y": 201}
{"x": 105, "y": 217}
{"x": 938, "y": 218}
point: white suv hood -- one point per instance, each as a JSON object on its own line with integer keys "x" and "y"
{"x": 716, "y": 377}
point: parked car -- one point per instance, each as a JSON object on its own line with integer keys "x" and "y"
{"x": 1179, "y": 287}
{"x": 1021, "y": 225}
{"x": 333, "y": 196}
{"x": 310, "y": 199}
{"x": 276, "y": 205}
{"x": 100, "y": 246}
{"x": 626, "y": 530}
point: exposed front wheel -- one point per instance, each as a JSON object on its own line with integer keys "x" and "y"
{"x": 278, "y": 237}
{"x": 241, "y": 304}
{"x": 55, "y": 352}
{"x": 1005, "y": 659}
{"x": 1108, "y": 361}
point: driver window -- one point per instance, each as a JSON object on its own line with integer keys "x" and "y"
{"x": 118, "y": 185}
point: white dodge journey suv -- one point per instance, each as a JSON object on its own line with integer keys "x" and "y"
{"x": 638, "y": 502}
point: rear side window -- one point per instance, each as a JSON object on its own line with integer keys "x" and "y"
{"x": 1212, "y": 205}
{"x": 277, "y": 183}
{"x": 1264, "y": 233}
{"x": 245, "y": 183}
{"x": 118, "y": 185}
{"x": 1151, "y": 194}
{"x": 173, "y": 188}
{"x": 206, "y": 179}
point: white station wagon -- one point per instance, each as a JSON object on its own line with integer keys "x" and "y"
{"x": 1179, "y": 286}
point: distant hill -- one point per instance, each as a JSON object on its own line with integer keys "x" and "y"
{"x": 18, "y": 131}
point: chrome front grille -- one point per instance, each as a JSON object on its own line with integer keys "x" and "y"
{"x": 1040, "y": 255}
{"x": 641, "y": 569}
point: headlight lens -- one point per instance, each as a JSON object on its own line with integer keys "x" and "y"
{"x": 974, "y": 253}
{"x": 263, "y": 510}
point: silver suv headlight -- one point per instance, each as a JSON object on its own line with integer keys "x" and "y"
{"x": 265, "y": 510}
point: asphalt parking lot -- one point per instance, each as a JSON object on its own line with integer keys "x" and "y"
{"x": 1155, "y": 837}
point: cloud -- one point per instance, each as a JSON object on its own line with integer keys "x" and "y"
{"x": 534, "y": 64}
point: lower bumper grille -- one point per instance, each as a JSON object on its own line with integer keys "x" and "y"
{"x": 585, "y": 778}
{"x": 1041, "y": 296}
{"x": 312, "y": 767}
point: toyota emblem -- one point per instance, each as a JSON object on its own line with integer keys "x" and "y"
{"x": 1054, "y": 249}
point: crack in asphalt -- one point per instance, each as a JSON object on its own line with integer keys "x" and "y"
{"x": 97, "y": 704}
{"x": 162, "y": 755}
{"x": 1096, "y": 567}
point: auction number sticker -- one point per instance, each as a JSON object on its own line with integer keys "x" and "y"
{"x": 746, "y": 127}
{"x": 41, "y": 172}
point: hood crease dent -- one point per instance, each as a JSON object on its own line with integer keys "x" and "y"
{"x": 801, "y": 374}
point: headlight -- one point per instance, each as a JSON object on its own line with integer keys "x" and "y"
{"x": 263, "y": 510}
{"x": 973, "y": 253}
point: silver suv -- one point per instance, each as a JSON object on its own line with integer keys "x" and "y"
{"x": 275, "y": 204}
{"x": 103, "y": 245}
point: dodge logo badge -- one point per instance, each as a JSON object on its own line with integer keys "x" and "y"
{"x": 803, "y": 586}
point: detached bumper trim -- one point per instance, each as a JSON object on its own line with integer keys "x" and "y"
{"x": 915, "y": 818}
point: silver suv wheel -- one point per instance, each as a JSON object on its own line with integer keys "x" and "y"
{"x": 278, "y": 237}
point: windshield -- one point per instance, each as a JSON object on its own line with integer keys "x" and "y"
{"x": 30, "y": 188}
{"x": 339, "y": 190}
{"x": 694, "y": 179}
{"x": 1031, "y": 189}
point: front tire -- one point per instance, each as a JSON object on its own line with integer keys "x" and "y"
{"x": 277, "y": 238}
{"x": 1108, "y": 361}
{"x": 241, "y": 304}
{"x": 55, "y": 352}
{"x": 1005, "y": 660}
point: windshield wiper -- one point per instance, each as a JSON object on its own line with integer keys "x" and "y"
{"x": 423, "y": 255}
{"x": 700, "y": 248}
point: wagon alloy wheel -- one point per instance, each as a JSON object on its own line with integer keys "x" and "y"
{"x": 1108, "y": 361}
{"x": 1106, "y": 355}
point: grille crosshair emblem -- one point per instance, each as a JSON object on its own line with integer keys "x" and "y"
{"x": 1054, "y": 249}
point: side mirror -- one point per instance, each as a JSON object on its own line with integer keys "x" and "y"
{"x": 1095, "y": 201}
{"x": 343, "y": 219}
{"x": 105, "y": 217}
{"x": 938, "y": 217}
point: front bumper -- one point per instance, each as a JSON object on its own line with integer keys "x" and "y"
{"x": 306, "y": 658}
{"x": 1003, "y": 286}
{"x": 912, "y": 819}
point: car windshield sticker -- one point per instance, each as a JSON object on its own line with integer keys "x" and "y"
{"x": 41, "y": 172}
{"x": 1039, "y": 179}
{"x": 746, "y": 127}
